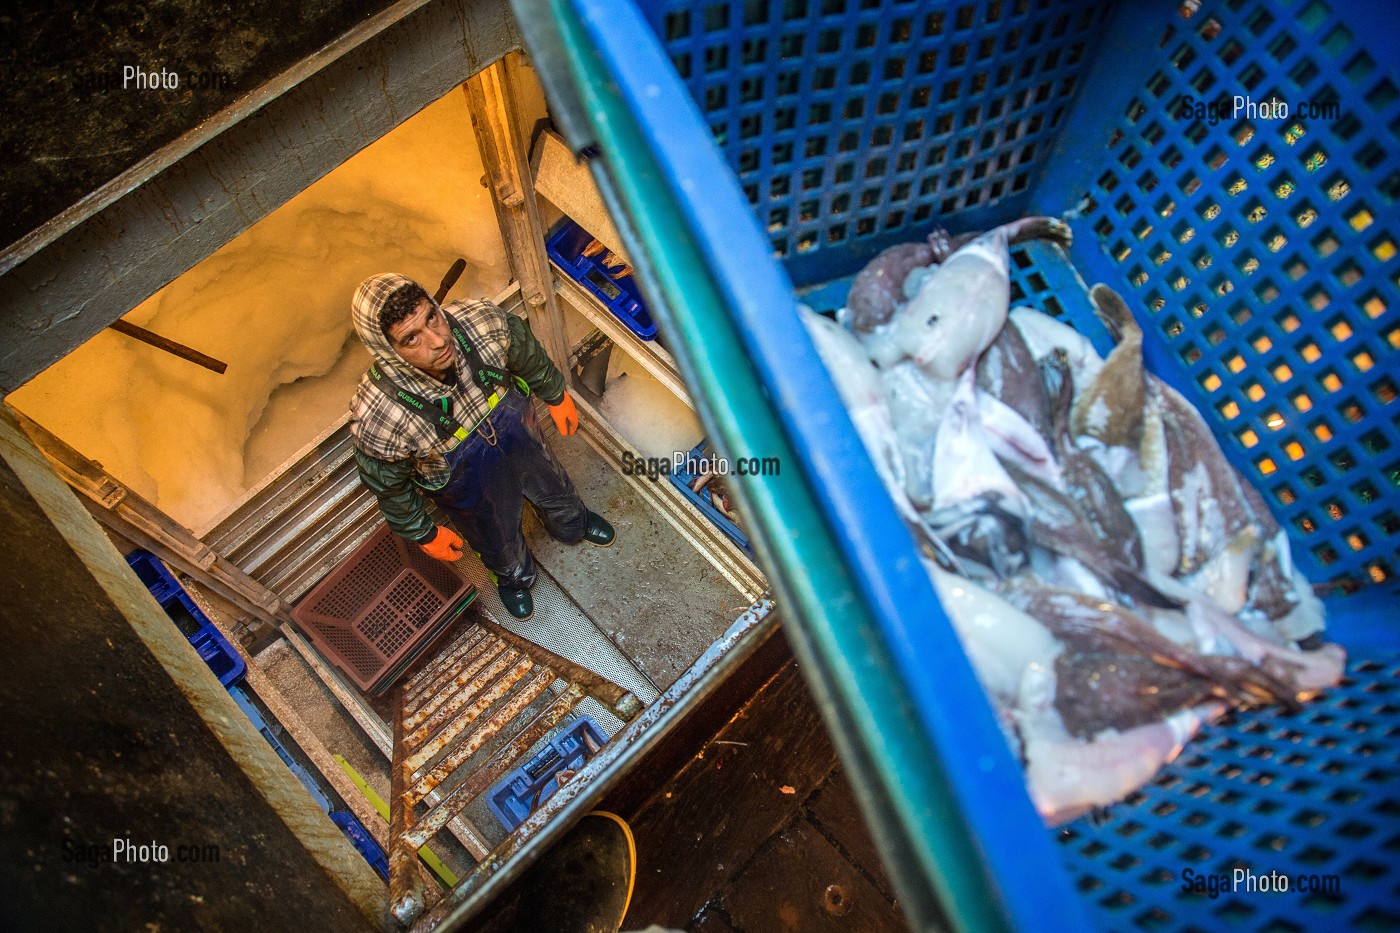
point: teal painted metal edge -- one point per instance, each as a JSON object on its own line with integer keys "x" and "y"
{"x": 945, "y": 796}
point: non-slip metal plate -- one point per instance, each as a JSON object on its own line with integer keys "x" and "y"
{"x": 561, "y": 627}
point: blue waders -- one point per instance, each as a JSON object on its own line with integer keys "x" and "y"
{"x": 501, "y": 464}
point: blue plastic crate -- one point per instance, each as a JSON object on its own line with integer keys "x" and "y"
{"x": 307, "y": 779}
{"x": 220, "y": 656}
{"x": 353, "y": 829}
{"x": 851, "y": 125}
{"x": 682, "y": 479}
{"x": 621, "y": 295}
{"x": 1260, "y": 253}
{"x": 1261, "y": 257}
{"x": 363, "y": 842}
{"x": 1264, "y": 791}
{"x": 518, "y": 794}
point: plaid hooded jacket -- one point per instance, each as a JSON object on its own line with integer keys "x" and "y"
{"x": 396, "y": 449}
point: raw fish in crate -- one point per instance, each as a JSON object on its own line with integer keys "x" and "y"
{"x": 1115, "y": 582}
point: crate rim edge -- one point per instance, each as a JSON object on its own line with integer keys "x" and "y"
{"x": 1007, "y": 880}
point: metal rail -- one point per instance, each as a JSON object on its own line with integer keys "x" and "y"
{"x": 653, "y": 357}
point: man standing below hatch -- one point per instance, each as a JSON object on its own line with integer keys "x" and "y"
{"x": 443, "y": 412}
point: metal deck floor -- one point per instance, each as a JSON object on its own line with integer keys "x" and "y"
{"x": 652, "y": 594}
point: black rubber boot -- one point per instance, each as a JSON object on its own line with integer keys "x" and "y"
{"x": 599, "y": 533}
{"x": 518, "y": 602}
{"x": 584, "y": 883}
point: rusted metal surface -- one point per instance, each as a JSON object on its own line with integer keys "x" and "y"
{"x": 379, "y": 733}
{"x": 464, "y": 715}
{"x": 605, "y": 771}
{"x": 424, "y": 679}
{"x": 445, "y": 702}
{"x": 483, "y": 733}
{"x": 460, "y": 672}
{"x": 405, "y": 885}
{"x": 597, "y": 686}
{"x": 492, "y": 692}
{"x": 417, "y": 682}
{"x": 483, "y": 777}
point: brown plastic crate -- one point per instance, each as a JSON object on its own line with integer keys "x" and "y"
{"x": 374, "y": 613}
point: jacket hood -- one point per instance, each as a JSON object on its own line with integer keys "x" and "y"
{"x": 369, "y": 300}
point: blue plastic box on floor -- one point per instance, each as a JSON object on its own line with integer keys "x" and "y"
{"x": 221, "y": 657}
{"x": 518, "y": 794}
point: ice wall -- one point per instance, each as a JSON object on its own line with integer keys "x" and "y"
{"x": 652, "y": 420}
{"x": 274, "y": 305}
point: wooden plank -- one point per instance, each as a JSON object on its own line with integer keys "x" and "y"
{"x": 704, "y": 825}
{"x": 114, "y": 725}
{"x": 168, "y": 345}
{"x": 834, "y": 811}
{"x": 800, "y": 882}
{"x": 568, "y": 183}
{"x": 144, "y": 524}
{"x": 491, "y": 102}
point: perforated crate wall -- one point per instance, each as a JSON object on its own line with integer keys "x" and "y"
{"x": 1261, "y": 258}
{"x": 854, "y": 124}
{"x": 1262, "y": 252}
{"x": 1313, "y": 796}
{"x": 377, "y": 608}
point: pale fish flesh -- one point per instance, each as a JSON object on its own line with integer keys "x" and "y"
{"x": 978, "y": 511}
{"x": 957, "y": 313}
{"x": 895, "y": 275}
{"x": 1218, "y": 632}
{"x": 862, "y": 392}
{"x": 1044, "y": 335}
{"x": 1068, "y": 777}
{"x": 916, "y": 405}
{"x": 1129, "y": 584}
{"x": 1009, "y": 373}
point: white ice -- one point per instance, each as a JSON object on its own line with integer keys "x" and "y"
{"x": 649, "y": 416}
{"x": 274, "y": 305}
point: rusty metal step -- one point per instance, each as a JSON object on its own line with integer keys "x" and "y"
{"x": 486, "y": 687}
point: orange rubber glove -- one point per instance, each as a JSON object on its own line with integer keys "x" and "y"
{"x": 565, "y": 415}
{"x": 445, "y": 545}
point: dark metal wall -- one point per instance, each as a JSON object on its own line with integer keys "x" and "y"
{"x": 98, "y": 744}
{"x": 107, "y": 256}
{"x": 81, "y": 74}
